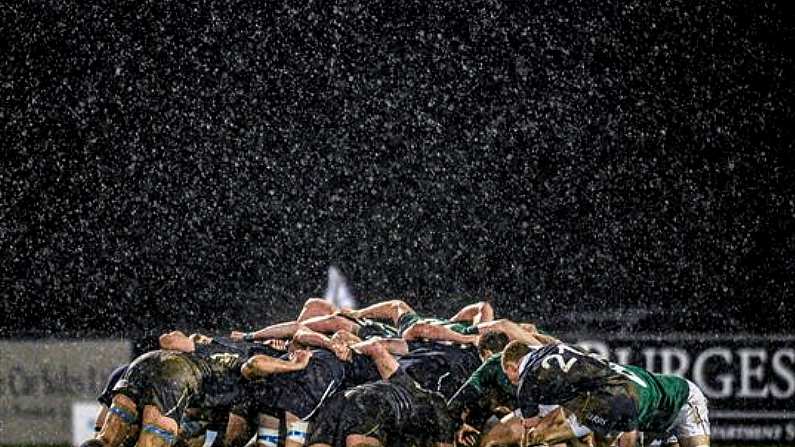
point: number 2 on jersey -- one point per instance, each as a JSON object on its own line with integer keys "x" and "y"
{"x": 562, "y": 364}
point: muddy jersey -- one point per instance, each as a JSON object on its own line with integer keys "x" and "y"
{"x": 165, "y": 379}
{"x": 440, "y": 367}
{"x": 487, "y": 383}
{"x": 558, "y": 373}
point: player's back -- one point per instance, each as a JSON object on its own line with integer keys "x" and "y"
{"x": 439, "y": 366}
{"x": 557, "y": 373}
{"x": 300, "y": 392}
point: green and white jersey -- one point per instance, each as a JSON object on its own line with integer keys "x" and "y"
{"x": 659, "y": 398}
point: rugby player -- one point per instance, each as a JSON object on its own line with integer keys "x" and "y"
{"x": 606, "y": 397}
{"x": 150, "y": 399}
{"x": 460, "y": 328}
{"x": 485, "y": 391}
{"x": 299, "y": 386}
{"x": 321, "y": 316}
{"x": 105, "y": 398}
{"x": 392, "y": 410}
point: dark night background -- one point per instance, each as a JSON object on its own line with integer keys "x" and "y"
{"x": 200, "y": 164}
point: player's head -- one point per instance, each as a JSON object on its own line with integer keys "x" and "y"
{"x": 491, "y": 343}
{"x": 177, "y": 341}
{"x": 512, "y": 356}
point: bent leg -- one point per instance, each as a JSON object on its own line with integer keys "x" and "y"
{"x": 385, "y": 310}
{"x": 268, "y": 431}
{"x": 330, "y": 324}
{"x": 477, "y": 313}
{"x": 121, "y": 422}
{"x": 237, "y": 431}
{"x": 692, "y": 427}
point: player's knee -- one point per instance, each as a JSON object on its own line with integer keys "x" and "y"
{"x": 237, "y": 431}
{"x": 120, "y": 422}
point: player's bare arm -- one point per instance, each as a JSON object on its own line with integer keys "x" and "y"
{"x": 480, "y": 312}
{"x": 262, "y": 365}
{"x": 437, "y": 332}
{"x": 308, "y": 337}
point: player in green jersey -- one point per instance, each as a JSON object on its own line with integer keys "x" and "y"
{"x": 324, "y": 317}
{"x": 603, "y": 397}
{"x": 460, "y": 328}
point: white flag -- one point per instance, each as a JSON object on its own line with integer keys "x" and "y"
{"x": 338, "y": 291}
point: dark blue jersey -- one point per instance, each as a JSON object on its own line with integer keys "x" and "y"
{"x": 557, "y": 373}
{"x": 301, "y": 392}
{"x": 361, "y": 369}
{"x": 440, "y": 367}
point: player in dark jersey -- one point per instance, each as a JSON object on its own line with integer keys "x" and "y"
{"x": 608, "y": 398}
{"x": 158, "y": 387}
{"x": 387, "y": 412}
{"x": 300, "y": 391}
{"x": 361, "y": 327}
{"x": 437, "y": 366}
{"x": 487, "y": 389}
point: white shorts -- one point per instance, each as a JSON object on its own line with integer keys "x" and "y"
{"x": 693, "y": 418}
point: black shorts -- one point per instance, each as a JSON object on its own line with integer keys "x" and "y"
{"x": 393, "y": 411}
{"x": 607, "y": 410}
{"x": 165, "y": 379}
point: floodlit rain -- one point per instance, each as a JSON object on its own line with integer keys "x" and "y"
{"x": 615, "y": 167}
